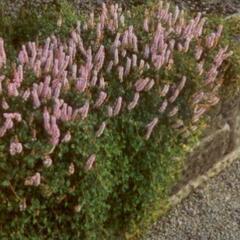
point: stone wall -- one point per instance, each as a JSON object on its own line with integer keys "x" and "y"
{"x": 220, "y": 139}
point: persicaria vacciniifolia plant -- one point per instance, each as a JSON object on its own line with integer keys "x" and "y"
{"x": 106, "y": 70}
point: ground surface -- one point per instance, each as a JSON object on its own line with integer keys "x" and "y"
{"x": 211, "y": 6}
{"x": 217, "y": 6}
{"x": 206, "y": 6}
{"x": 210, "y": 213}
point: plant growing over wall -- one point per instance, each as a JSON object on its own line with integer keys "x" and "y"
{"x": 93, "y": 127}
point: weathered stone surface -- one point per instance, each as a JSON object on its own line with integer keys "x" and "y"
{"x": 210, "y": 150}
{"x": 221, "y": 138}
{"x": 231, "y": 112}
{"x": 201, "y": 178}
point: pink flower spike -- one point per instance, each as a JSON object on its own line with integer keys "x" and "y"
{"x": 110, "y": 111}
{"x": 47, "y": 161}
{"x": 8, "y": 124}
{"x": 15, "y": 147}
{"x": 149, "y": 85}
{"x": 150, "y": 126}
{"x": 2, "y": 77}
{"x": 146, "y": 24}
{"x": 116, "y": 57}
{"x": 101, "y": 129}
{"x": 90, "y": 162}
{"x": 84, "y": 110}
{"x": 94, "y": 80}
{"x": 163, "y": 106}
{"x": 46, "y": 120}
{"x": 3, "y": 58}
{"x": 134, "y": 102}
{"x": 67, "y": 137}
{"x": 5, "y": 105}
{"x": 146, "y": 51}
{"x": 198, "y": 112}
{"x": 173, "y": 112}
{"x": 109, "y": 67}
{"x": 74, "y": 71}
{"x": 141, "y": 84}
{"x": 120, "y": 73}
{"x": 198, "y": 52}
{"x": 34, "y": 180}
{"x": 54, "y": 131}
{"x": 174, "y": 96}
{"x": 81, "y": 85}
{"x": 165, "y": 90}
{"x": 117, "y": 106}
{"x": 71, "y": 169}
{"x": 100, "y": 100}
{"x": 182, "y": 83}
{"x": 17, "y": 117}
{"x": 12, "y": 90}
{"x": 128, "y": 66}
{"x": 35, "y": 97}
{"x": 102, "y": 83}
{"x": 134, "y": 60}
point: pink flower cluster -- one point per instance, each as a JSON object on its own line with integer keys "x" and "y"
{"x": 15, "y": 147}
{"x": 34, "y": 180}
{"x": 3, "y": 58}
{"x": 58, "y": 70}
{"x": 9, "y": 122}
{"x": 51, "y": 127}
{"x": 47, "y": 161}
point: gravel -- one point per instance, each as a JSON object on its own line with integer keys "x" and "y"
{"x": 209, "y": 213}
{"x": 223, "y": 7}
{"x": 13, "y": 7}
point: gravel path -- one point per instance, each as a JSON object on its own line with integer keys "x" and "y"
{"x": 209, "y": 213}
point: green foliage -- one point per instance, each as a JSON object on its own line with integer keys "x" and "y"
{"x": 31, "y": 23}
{"x": 230, "y": 37}
{"x": 232, "y": 74}
{"x": 130, "y": 177}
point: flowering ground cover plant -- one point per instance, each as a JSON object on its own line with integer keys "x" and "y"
{"x": 93, "y": 127}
